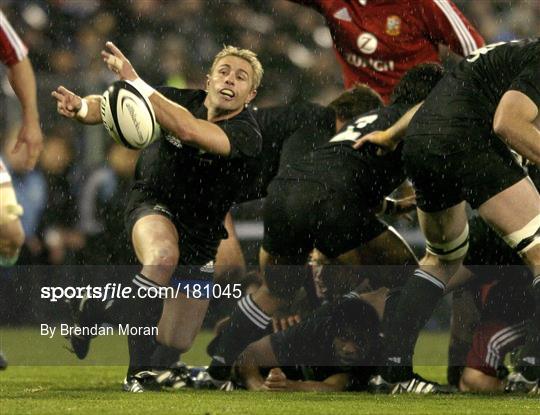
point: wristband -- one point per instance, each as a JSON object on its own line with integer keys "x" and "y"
{"x": 83, "y": 111}
{"x": 145, "y": 89}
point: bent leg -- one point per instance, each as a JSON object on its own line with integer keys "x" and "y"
{"x": 155, "y": 240}
{"x": 181, "y": 321}
{"x": 230, "y": 264}
{"x": 447, "y": 238}
{"x": 515, "y": 214}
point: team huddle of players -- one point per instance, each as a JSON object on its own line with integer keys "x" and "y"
{"x": 325, "y": 173}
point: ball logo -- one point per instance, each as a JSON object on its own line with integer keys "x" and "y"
{"x": 128, "y": 116}
{"x": 127, "y": 103}
{"x": 367, "y": 43}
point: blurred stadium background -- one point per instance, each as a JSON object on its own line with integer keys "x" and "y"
{"x": 73, "y": 200}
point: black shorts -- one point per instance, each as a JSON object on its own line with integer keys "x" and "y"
{"x": 198, "y": 243}
{"x": 301, "y": 215}
{"x": 474, "y": 174}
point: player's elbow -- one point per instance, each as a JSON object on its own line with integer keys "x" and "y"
{"x": 186, "y": 132}
{"x": 504, "y": 125}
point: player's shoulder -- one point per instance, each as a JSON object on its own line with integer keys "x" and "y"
{"x": 383, "y": 115}
{"x": 294, "y": 107}
{"x": 182, "y": 96}
{"x": 298, "y": 113}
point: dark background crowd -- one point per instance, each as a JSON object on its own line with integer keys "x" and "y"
{"x": 74, "y": 199}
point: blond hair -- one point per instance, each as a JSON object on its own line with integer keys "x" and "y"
{"x": 246, "y": 54}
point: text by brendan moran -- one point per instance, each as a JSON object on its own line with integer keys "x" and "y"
{"x": 66, "y": 330}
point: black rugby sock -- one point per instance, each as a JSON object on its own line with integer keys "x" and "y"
{"x": 140, "y": 312}
{"x": 418, "y": 299}
{"x": 164, "y": 357}
{"x": 390, "y": 306}
{"x": 248, "y": 323}
{"x": 529, "y": 363}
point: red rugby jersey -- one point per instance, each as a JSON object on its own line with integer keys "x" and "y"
{"x": 377, "y": 41}
{"x": 12, "y": 49}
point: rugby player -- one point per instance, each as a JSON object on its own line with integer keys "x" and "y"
{"x": 14, "y": 54}
{"x": 185, "y": 183}
{"x": 334, "y": 349}
{"x": 457, "y": 149}
{"x": 377, "y": 41}
{"x": 326, "y": 199}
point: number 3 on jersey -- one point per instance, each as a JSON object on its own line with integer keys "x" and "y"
{"x": 352, "y": 132}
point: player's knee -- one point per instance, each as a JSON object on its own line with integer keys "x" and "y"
{"x": 163, "y": 254}
{"x": 525, "y": 239}
{"x": 11, "y": 241}
{"x": 178, "y": 339}
{"x": 449, "y": 251}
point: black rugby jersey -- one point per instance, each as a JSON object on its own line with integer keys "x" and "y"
{"x": 465, "y": 100}
{"x": 198, "y": 186}
{"x": 277, "y": 125}
{"x": 339, "y": 167}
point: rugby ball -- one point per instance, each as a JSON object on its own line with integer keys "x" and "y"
{"x": 128, "y": 116}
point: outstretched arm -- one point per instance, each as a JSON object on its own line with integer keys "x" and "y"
{"x": 171, "y": 116}
{"x": 22, "y": 80}
{"x": 389, "y": 139}
{"x": 261, "y": 354}
{"x": 257, "y": 354}
{"x": 70, "y": 105}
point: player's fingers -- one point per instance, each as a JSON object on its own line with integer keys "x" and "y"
{"x": 291, "y": 321}
{"x": 32, "y": 157}
{"x": 284, "y": 324}
{"x": 359, "y": 143}
{"x": 64, "y": 91}
{"x": 59, "y": 98}
{"x": 275, "y": 371}
{"x": 17, "y": 146}
{"x": 111, "y": 60}
{"x": 117, "y": 52}
{"x": 275, "y": 325}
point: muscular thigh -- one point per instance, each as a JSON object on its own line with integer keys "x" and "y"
{"x": 289, "y": 212}
{"x": 343, "y": 223}
{"x": 513, "y": 208}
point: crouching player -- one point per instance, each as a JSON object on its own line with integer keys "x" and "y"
{"x": 490, "y": 313}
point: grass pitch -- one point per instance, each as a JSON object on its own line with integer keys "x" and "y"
{"x": 66, "y": 385}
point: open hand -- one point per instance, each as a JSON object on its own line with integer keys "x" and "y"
{"x": 381, "y": 139}
{"x": 118, "y": 63}
{"x": 67, "y": 102}
{"x": 31, "y": 136}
